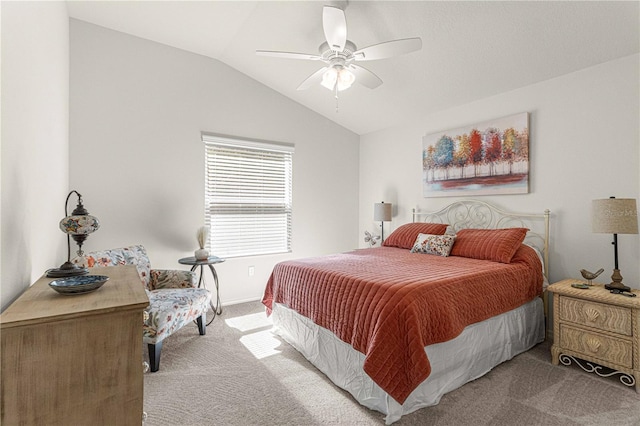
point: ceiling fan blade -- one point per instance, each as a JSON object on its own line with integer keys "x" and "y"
{"x": 388, "y": 49}
{"x": 288, "y": 55}
{"x": 334, "y": 24}
{"x": 314, "y": 78}
{"x": 365, "y": 77}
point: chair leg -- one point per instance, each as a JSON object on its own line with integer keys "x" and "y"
{"x": 202, "y": 323}
{"x": 154, "y": 355}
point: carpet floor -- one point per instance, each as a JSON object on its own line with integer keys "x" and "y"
{"x": 242, "y": 374}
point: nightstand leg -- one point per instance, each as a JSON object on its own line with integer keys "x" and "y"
{"x": 555, "y": 355}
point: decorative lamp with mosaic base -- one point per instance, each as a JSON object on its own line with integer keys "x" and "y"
{"x": 77, "y": 226}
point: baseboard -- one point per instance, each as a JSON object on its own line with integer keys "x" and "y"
{"x": 237, "y": 302}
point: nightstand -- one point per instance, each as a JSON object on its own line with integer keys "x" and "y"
{"x": 594, "y": 326}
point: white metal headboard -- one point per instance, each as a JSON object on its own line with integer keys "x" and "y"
{"x": 478, "y": 214}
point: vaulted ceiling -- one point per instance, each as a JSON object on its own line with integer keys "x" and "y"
{"x": 471, "y": 50}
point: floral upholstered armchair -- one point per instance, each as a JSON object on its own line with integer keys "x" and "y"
{"x": 174, "y": 300}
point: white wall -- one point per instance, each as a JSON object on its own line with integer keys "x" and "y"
{"x": 35, "y": 99}
{"x": 584, "y": 137}
{"x": 137, "y": 109}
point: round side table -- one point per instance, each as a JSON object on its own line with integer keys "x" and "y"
{"x": 212, "y": 260}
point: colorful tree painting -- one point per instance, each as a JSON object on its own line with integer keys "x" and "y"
{"x": 476, "y": 150}
{"x": 486, "y": 158}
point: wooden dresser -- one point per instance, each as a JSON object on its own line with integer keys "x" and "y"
{"x": 74, "y": 360}
{"x": 596, "y": 326}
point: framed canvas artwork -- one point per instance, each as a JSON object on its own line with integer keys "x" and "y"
{"x": 482, "y": 159}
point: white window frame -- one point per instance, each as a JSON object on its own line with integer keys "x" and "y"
{"x": 248, "y": 196}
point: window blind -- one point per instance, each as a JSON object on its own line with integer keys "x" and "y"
{"x": 248, "y": 196}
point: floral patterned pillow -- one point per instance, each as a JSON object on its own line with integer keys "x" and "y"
{"x": 434, "y": 244}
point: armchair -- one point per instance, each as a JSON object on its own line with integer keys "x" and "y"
{"x": 174, "y": 300}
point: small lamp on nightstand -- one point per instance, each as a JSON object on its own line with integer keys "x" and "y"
{"x": 382, "y": 213}
{"x": 615, "y": 216}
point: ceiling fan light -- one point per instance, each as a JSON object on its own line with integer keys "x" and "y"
{"x": 338, "y": 77}
{"x": 345, "y": 79}
{"x": 329, "y": 78}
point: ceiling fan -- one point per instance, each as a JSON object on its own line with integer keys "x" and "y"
{"x": 339, "y": 55}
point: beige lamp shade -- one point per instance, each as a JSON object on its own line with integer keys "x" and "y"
{"x": 614, "y": 216}
{"x": 382, "y": 212}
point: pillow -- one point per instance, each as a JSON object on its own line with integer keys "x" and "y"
{"x": 433, "y": 244}
{"x": 498, "y": 245}
{"x": 406, "y": 235}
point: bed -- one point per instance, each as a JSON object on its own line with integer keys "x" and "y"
{"x": 447, "y": 298}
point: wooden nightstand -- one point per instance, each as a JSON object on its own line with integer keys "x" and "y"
{"x": 598, "y": 327}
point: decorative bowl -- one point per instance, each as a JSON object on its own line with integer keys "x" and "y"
{"x": 78, "y": 285}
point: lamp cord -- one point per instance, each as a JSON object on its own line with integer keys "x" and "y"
{"x": 615, "y": 250}
{"x": 615, "y": 245}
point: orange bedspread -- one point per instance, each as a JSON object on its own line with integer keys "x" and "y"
{"x": 389, "y": 303}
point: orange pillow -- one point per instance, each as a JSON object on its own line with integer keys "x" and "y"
{"x": 498, "y": 245}
{"x": 405, "y": 236}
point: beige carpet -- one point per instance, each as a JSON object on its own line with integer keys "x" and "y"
{"x": 241, "y": 374}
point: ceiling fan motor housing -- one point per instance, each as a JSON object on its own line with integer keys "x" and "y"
{"x": 328, "y": 54}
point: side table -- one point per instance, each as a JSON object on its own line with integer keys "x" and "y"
{"x": 597, "y": 327}
{"x": 210, "y": 261}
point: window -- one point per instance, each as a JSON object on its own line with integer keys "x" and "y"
{"x": 247, "y": 196}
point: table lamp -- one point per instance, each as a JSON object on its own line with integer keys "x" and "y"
{"x": 77, "y": 226}
{"x": 382, "y": 213}
{"x": 615, "y": 216}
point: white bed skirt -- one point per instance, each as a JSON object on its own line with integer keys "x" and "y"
{"x": 478, "y": 349}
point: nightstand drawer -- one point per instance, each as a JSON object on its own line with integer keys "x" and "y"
{"x": 616, "y": 319}
{"x": 597, "y": 345}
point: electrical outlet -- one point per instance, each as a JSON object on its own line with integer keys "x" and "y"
{"x": 251, "y": 270}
